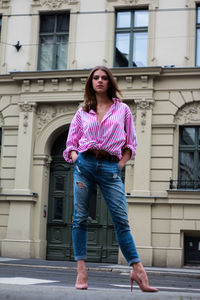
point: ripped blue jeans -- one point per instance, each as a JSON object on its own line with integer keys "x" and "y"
{"x": 87, "y": 172}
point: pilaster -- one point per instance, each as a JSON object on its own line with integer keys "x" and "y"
{"x": 141, "y": 184}
{"x": 25, "y": 147}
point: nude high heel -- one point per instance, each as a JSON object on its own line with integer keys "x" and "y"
{"x": 81, "y": 286}
{"x": 143, "y": 287}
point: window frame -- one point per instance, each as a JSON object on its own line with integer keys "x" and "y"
{"x": 55, "y": 34}
{"x": 131, "y": 30}
{"x": 195, "y": 149}
{"x": 197, "y": 29}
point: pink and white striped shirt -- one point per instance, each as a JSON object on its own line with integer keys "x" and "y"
{"x": 114, "y": 133}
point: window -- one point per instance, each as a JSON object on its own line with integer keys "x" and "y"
{"x": 131, "y": 38}
{"x": 189, "y": 158}
{"x": 0, "y": 138}
{"x": 54, "y": 33}
{"x": 198, "y": 37}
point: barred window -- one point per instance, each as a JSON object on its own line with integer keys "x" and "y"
{"x": 189, "y": 157}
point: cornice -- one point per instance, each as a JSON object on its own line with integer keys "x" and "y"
{"x": 117, "y": 72}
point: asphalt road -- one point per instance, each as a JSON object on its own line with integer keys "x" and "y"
{"x": 33, "y": 282}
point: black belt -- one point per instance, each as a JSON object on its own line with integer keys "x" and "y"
{"x": 101, "y": 154}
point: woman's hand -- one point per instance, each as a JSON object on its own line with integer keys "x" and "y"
{"x": 121, "y": 164}
{"x": 74, "y": 155}
{"x": 125, "y": 157}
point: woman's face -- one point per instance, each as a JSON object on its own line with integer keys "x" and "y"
{"x": 100, "y": 82}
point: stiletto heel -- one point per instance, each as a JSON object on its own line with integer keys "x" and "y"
{"x": 143, "y": 287}
{"x": 131, "y": 283}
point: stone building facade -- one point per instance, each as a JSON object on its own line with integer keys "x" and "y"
{"x": 37, "y": 106}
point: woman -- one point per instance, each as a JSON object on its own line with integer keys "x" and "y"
{"x": 101, "y": 140}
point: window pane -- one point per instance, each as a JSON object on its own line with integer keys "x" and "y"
{"x": 62, "y": 23}
{"x": 188, "y": 136}
{"x": 141, "y": 18}
{"x": 62, "y": 45}
{"x": 199, "y": 170}
{"x": 198, "y": 14}
{"x": 58, "y": 209}
{"x": 198, "y": 48}
{"x": 0, "y": 138}
{"x": 123, "y": 19}
{"x": 46, "y": 53}
{"x": 47, "y": 23}
{"x": 122, "y": 49}
{"x": 59, "y": 183}
{"x": 140, "y": 49}
{"x": 199, "y": 136}
{"x": 186, "y": 167}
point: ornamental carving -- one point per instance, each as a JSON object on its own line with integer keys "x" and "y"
{"x": 26, "y": 108}
{"x": 144, "y": 104}
{"x": 132, "y": 107}
{"x": 46, "y": 113}
{"x": 189, "y": 114}
{"x": 126, "y": 1}
{"x": 4, "y": 3}
{"x": 54, "y": 4}
{"x": 1, "y": 120}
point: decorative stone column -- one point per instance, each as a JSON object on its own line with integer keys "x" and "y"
{"x": 141, "y": 184}
{"x": 25, "y": 148}
{"x": 19, "y": 241}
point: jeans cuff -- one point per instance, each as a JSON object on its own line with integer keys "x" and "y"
{"x": 83, "y": 257}
{"x": 134, "y": 261}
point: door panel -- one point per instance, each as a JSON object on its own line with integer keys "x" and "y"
{"x": 102, "y": 245}
{"x": 192, "y": 250}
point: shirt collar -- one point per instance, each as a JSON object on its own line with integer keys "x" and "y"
{"x": 115, "y": 100}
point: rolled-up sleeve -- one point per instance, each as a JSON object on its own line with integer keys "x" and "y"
{"x": 131, "y": 138}
{"x": 74, "y": 135}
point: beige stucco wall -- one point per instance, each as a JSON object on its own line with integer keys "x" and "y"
{"x": 35, "y": 110}
{"x": 91, "y": 33}
{"x": 34, "y": 107}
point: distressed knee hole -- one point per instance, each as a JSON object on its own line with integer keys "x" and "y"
{"x": 80, "y": 184}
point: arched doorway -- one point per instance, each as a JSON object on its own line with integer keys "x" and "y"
{"x": 102, "y": 245}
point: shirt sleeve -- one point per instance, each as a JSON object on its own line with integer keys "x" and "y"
{"x": 74, "y": 135}
{"x": 131, "y": 138}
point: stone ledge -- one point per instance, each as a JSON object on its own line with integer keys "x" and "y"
{"x": 19, "y": 197}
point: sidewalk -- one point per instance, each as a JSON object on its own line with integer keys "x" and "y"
{"x": 193, "y": 271}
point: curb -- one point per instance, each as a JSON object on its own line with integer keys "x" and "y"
{"x": 182, "y": 273}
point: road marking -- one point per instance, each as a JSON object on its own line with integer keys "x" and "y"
{"x": 161, "y": 288}
{"x": 8, "y": 259}
{"x": 24, "y": 280}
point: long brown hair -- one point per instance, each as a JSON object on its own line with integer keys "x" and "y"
{"x": 90, "y": 96}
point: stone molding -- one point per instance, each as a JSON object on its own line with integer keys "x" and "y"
{"x": 4, "y": 3}
{"x": 26, "y": 108}
{"x": 152, "y": 4}
{"x": 1, "y": 120}
{"x": 189, "y": 114}
{"x": 54, "y": 4}
{"x": 143, "y": 105}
